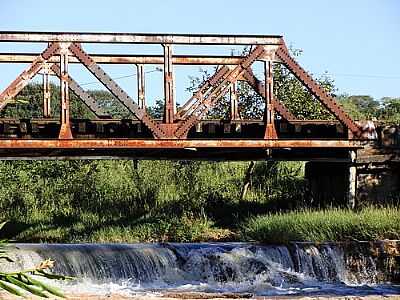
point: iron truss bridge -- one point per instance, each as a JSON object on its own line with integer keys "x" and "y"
{"x": 184, "y": 133}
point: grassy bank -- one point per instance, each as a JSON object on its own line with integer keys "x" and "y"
{"x": 334, "y": 224}
{"x": 113, "y": 201}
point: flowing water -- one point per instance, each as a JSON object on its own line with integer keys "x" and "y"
{"x": 137, "y": 269}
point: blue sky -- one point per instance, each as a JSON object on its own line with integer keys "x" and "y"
{"x": 357, "y": 42}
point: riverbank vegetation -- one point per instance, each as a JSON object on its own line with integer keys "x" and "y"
{"x": 160, "y": 201}
{"x": 370, "y": 223}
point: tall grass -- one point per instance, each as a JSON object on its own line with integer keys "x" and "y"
{"x": 78, "y": 201}
{"x": 333, "y": 224}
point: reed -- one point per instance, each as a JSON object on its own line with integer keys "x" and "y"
{"x": 334, "y": 224}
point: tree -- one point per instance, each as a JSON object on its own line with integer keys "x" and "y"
{"x": 391, "y": 109}
{"x": 287, "y": 89}
{"x": 360, "y": 107}
{"x": 297, "y": 99}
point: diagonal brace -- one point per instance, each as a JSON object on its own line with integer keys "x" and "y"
{"x": 89, "y": 101}
{"x": 217, "y": 91}
{"x": 259, "y": 87}
{"x": 319, "y": 92}
{"x": 23, "y": 79}
{"x": 116, "y": 90}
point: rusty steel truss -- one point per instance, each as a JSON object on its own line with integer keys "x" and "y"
{"x": 184, "y": 133}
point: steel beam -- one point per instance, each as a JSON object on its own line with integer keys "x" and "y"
{"x": 140, "y": 76}
{"x": 139, "y": 38}
{"x": 22, "y": 80}
{"x": 130, "y": 59}
{"x": 269, "y": 115}
{"x": 259, "y": 87}
{"x": 46, "y": 92}
{"x": 234, "y": 102}
{"x": 218, "y": 91}
{"x": 65, "y": 130}
{"x": 170, "y": 144}
{"x": 86, "y": 98}
{"x": 318, "y": 91}
{"x": 116, "y": 90}
{"x": 169, "y": 97}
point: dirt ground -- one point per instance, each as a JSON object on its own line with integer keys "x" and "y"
{"x": 216, "y": 296}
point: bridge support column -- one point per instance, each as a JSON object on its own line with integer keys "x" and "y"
{"x": 329, "y": 183}
{"x": 233, "y": 97}
{"x": 65, "y": 130}
{"x": 352, "y": 187}
{"x": 270, "y": 132}
{"x": 46, "y": 92}
{"x": 170, "y": 107}
{"x": 140, "y": 86}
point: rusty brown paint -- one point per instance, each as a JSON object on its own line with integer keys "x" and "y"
{"x": 139, "y": 38}
{"x": 259, "y": 87}
{"x": 318, "y": 91}
{"x": 218, "y": 90}
{"x": 129, "y": 59}
{"x": 22, "y": 80}
{"x": 170, "y": 143}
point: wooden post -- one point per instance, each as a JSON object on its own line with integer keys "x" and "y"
{"x": 352, "y": 190}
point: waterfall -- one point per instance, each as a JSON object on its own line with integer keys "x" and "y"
{"x": 237, "y": 267}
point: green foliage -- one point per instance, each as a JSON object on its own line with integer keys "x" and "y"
{"x": 19, "y": 282}
{"x": 297, "y": 99}
{"x": 367, "y": 108}
{"x": 360, "y": 107}
{"x": 390, "y": 109}
{"x": 333, "y": 224}
{"x": 80, "y": 201}
{"x": 29, "y": 104}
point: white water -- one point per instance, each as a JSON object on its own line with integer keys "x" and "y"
{"x": 138, "y": 269}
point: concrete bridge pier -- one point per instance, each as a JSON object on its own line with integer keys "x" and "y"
{"x": 353, "y": 183}
{"x": 333, "y": 182}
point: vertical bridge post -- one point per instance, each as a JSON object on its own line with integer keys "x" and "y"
{"x": 65, "y": 130}
{"x": 46, "y": 92}
{"x": 233, "y": 95}
{"x": 170, "y": 106}
{"x": 140, "y": 86}
{"x": 270, "y": 132}
{"x": 352, "y": 188}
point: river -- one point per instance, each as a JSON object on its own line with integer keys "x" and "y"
{"x": 237, "y": 269}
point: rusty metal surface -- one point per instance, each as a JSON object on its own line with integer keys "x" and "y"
{"x": 23, "y": 79}
{"x": 269, "y": 112}
{"x": 177, "y": 134}
{"x": 259, "y": 87}
{"x": 130, "y": 59}
{"x": 89, "y": 101}
{"x": 153, "y": 144}
{"x": 169, "y": 89}
{"x": 206, "y": 102}
{"x": 116, "y": 90}
{"x": 317, "y": 90}
{"x": 140, "y": 76}
{"x": 132, "y": 38}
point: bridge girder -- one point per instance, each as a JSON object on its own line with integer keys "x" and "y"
{"x": 66, "y": 47}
